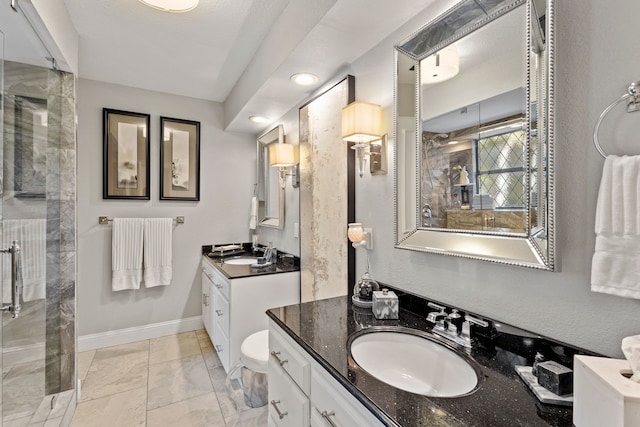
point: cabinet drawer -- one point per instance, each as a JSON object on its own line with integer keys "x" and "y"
{"x": 221, "y": 345}
{"x": 288, "y": 406}
{"x": 221, "y": 283}
{"x": 221, "y": 313}
{"x": 332, "y": 402}
{"x": 287, "y": 355}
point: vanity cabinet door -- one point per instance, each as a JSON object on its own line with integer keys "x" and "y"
{"x": 288, "y": 405}
{"x": 207, "y": 299}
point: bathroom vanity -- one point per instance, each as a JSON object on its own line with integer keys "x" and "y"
{"x": 236, "y": 296}
{"x": 313, "y": 376}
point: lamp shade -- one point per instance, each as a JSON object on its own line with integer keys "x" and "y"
{"x": 361, "y": 122}
{"x": 440, "y": 66}
{"x": 281, "y": 155}
{"x": 172, "y": 5}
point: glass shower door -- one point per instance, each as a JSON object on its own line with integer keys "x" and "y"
{"x": 37, "y": 147}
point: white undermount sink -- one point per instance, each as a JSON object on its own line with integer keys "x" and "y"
{"x": 414, "y": 363}
{"x": 241, "y": 261}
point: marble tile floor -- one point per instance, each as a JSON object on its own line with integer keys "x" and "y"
{"x": 175, "y": 381}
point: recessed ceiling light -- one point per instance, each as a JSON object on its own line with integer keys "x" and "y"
{"x": 259, "y": 119}
{"x": 175, "y": 6}
{"x": 304, "y": 79}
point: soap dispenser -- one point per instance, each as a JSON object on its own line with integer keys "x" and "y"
{"x": 364, "y": 289}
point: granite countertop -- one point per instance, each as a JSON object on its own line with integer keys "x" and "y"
{"x": 323, "y": 328}
{"x": 286, "y": 263}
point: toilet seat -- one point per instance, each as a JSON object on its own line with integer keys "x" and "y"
{"x": 254, "y": 351}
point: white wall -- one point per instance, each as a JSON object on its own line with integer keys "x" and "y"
{"x": 594, "y": 66}
{"x": 222, "y": 215}
{"x": 63, "y": 35}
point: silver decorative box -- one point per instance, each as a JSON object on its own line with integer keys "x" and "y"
{"x": 385, "y": 304}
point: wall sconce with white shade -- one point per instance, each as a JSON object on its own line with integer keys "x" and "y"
{"x": 362, "y": 125}
{"x": 283, "y": 157}
{"x": 359, "y": 236}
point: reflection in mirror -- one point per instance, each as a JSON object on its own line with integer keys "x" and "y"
{"x": 269, "y": 192}
{"x": 472, "y": 175}
{"x": 30, "y": 148}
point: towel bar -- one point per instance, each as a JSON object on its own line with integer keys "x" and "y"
{"x": 104, "y": 220}
{"x": 632, "y": 105}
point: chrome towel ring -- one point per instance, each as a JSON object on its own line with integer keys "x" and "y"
{"x": 633, "y": 94}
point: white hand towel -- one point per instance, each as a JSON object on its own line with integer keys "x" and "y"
{"x": 615, "y": 268}
{"x": 126, "y": 253}
{"x": 253, "y": 218}
{"x": 158, "y": 248}
{"x": 31, "y": 235}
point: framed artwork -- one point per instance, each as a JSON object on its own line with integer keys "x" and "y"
{"x": 179, "y": 159}
{"x": 125, "y": 172}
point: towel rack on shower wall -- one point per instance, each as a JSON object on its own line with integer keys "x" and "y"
{"x": 632, "y": 105}
{"x": 104, "y": 220}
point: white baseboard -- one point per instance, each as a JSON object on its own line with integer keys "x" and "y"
{"x": 139, "y": 333}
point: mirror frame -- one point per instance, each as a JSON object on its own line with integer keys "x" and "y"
{"x": 272, "y": 136}
{"x": 457, "y": 22}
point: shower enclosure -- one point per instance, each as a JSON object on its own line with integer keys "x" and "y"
{"x": 37, "y": 228}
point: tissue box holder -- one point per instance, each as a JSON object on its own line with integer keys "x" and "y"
{"x": 602, "y": 396}
{"x": 385, "y": 305}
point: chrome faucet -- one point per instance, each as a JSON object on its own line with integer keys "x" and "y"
{"x": 453, "y": 326}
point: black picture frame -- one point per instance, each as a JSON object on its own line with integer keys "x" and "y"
{"x": 125, "y": 173}
{"x": 179, "y": 159}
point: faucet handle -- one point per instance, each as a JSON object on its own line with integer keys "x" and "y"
{"x": 433, "y": 316}
{"x": 476, "y": 321}
{"x": 436, "y": 306}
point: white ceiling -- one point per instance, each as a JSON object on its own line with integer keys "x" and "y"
{"x": 239, "y": 52}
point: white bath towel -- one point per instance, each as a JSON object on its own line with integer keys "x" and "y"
{"x": 126, "y": 253}
{"x": 253, "y": 216}
{"x": 158, "y": 249}
{"x": 31, "y": 235}
{"x": 615, "y": 268}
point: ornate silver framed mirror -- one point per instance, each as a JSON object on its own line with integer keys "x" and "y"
{"x": 474, "y": 134}
{"x": 270, "y": 193}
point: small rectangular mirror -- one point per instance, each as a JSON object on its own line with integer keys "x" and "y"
{"x": 269, "y": 192}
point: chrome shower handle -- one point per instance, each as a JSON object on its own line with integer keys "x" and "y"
{"x": 16, "y": 280}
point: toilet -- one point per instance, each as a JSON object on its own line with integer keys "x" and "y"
{"x": 254, "y": 358}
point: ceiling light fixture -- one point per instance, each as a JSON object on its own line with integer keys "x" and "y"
{"x": 175, "y": 6}
{"x": 304, "y": 79}
{"x": 441, "y": 66}
{"x": 259, "y": 119}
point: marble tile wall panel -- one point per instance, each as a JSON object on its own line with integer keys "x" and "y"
{"x": 323, "y": 197}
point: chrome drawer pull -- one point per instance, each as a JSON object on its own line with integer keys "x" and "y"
{"x": 218, "y": 348}
{"x": 219, "y": 313}
{"x": 218, "y": 286}
{"x": 274, "y": 403}
{"x": 280, "y": 361}
{"x": 327, "y": 416}
{"x": 206, "y": 299}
